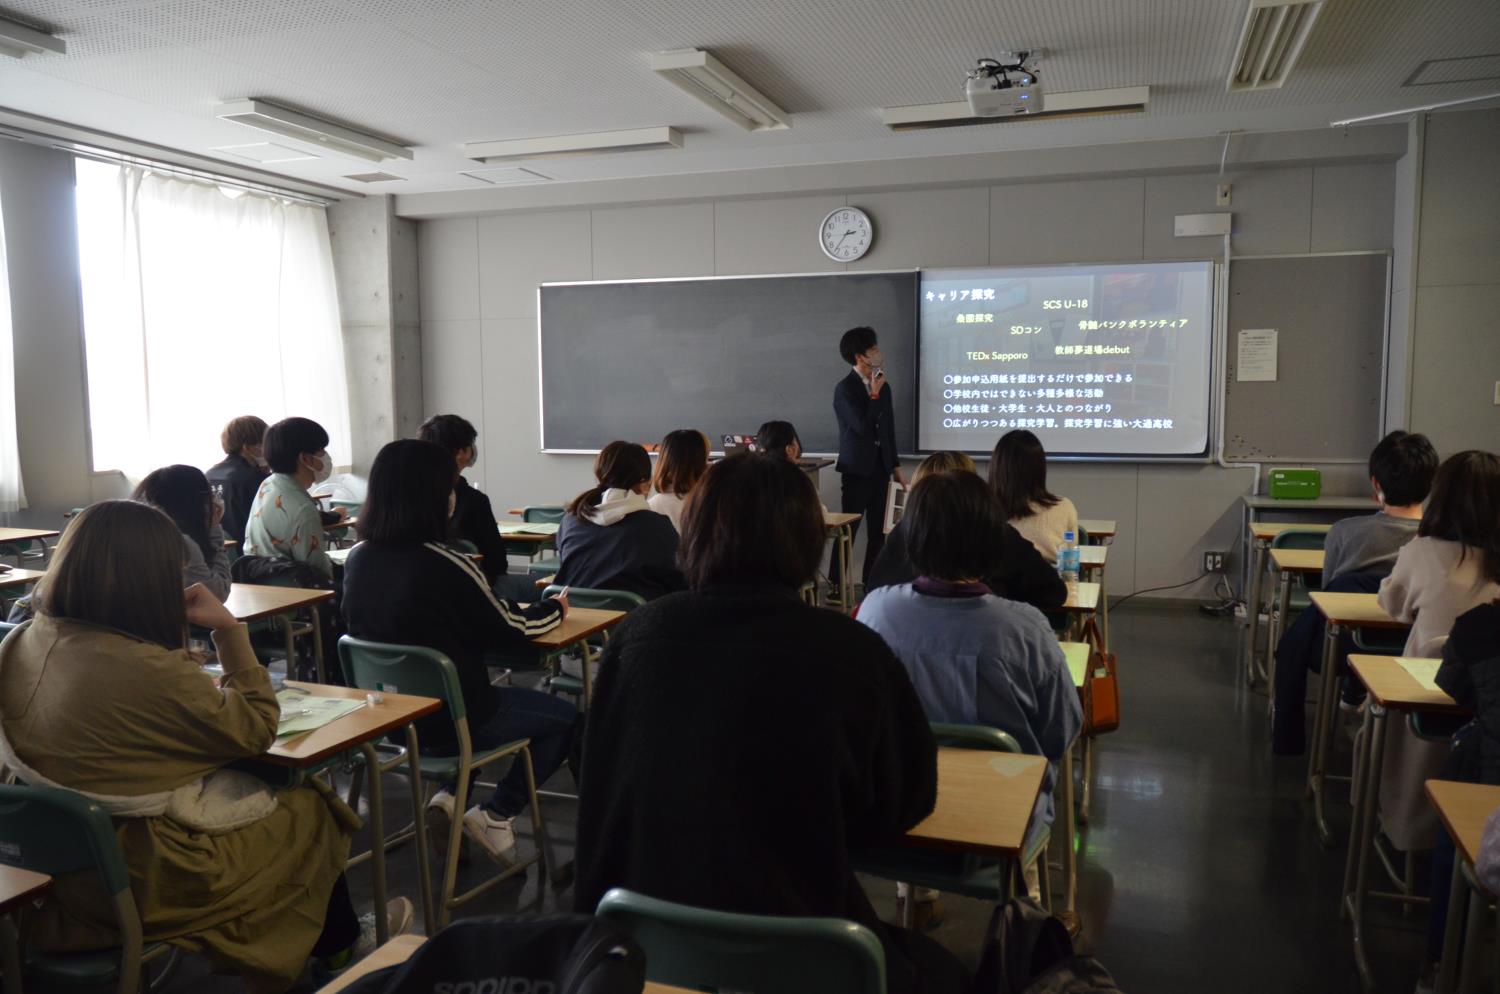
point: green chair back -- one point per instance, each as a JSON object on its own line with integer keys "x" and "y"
{"x": 974, "y": 737}
{"x": 1379, "y": 641}
{"x": 548, "y": 514}
{"x": 1082, "y": 538}
{"x": 54, "y": 831}
{"x": 402, "y": 669}
{"x": 601, "y": 600}
{"x": 719, "y": 950}
{"x": 1299, "y": 538}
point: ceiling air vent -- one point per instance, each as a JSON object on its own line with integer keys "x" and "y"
{"x": 373, "y": 177}
{"x": 1463, "y": 69}
{"x": 1270, "y": 42}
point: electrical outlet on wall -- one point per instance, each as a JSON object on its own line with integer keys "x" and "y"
{"x": 1221, "y": 195}
{"x": 1213, "y": 562}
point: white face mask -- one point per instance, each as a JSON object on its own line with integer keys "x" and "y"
{"x": 875, "y": 359}
{"x": 325, "y": 468}
{"x": 474, "y": 457}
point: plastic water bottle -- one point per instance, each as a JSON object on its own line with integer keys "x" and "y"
{"x": 1068, "y": 561}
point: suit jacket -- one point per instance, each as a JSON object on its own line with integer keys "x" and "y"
{"x": 867, "y": 428}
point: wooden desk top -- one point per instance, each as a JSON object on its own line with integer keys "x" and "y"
{"x": 1093, "y": 555}
{"x": 252, "y": 602}
{"x": 334, "y": 526}
{"x": 20, "y": 577}
{"x": 1359, "y": 610}
{"x": 1084, "y": 600}
{"x": 984, "y": 802}
{"x": 1098, "y": 527}
{"x": 1077, "y": 655}
{"x": 17, "y": 886}
{"x": 369, "y": 722}
{"x": 1464, "y": 808}
{"x": 1264, "y": 531}
{"x": 1394, "y": 688}
{"x": 25, "y": 534}
{"x": 836, "y": 519}
{"x": 580, "y": 623}
{"x": 399, "y": 950}
{"x": 1298, "y": 560}
{"x": 536, "y": 538}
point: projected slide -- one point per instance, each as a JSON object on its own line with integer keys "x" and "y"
{"x": 1096, "y": 360}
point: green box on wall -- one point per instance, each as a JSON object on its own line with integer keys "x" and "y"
{"x": 1294, "y": 483}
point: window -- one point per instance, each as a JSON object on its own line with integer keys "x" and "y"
{"x": 201, "y": 304}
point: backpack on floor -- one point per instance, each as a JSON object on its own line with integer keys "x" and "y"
{"x": 1027, "y": 951}
{"x": 518, "y": 954}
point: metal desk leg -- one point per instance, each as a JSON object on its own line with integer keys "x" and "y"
{"x": 10, "y": 948}
{"x": 1252, "y": 608}
{"x": 846, "y": 564}
{"x": 430, "y": 914}
{"x": 588, "y": 673}
{"x": 377, "y": 840}
{"x": 1457, "y": 903}
{"x": 1070, "y": 854}
{"x": 1362, "y": 839}
{"x": 291, "y": 646}
{"x": 1088, "y": 780}
{"x": 1469, "y": 956}
{"x": 1274, "y": 633}
{"x": 317, "y": 634}
{"x": 1322, "y": 745}
{"x": 1103, "y": 608}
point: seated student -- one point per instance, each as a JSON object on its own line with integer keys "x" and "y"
{"x": 975, "y": 658}
{"x": 1018, "y": 475}
{"x": 779, "y": 440}
{"x": 680, "y": 464}
{"x": 284, "y": 519}
{"x": 610, "y": 538}
{"x": 1452, "y": 565}
{"x": 1020, "y": 573}
{"x": 677, "y": 803}
{"x": 240, "y": 474}
{"x": 1357, "y": 554}
{"x": 99, "y": 695}
{"x": 183, "y": 493}
{"x": 473, "y": 520}
{"x": 403, "y": 585}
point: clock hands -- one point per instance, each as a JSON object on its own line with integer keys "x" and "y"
{"x": 841, "y": 240}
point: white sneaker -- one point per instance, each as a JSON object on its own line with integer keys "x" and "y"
{"x": 440, "y": 822}
{"x": 496, "y": 836}
{"x": 399, "y": 915}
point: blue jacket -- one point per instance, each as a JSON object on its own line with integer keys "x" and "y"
{"x": 867, "y": 428}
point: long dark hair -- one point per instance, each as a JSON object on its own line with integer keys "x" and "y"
{"x": 752, "y": 519}
{"x": 681, "y": 462}
{"x": 774, "y": 437}
{"x": 119, "y": 565}
{"x": 620, "y": 466}
{"x": 407, "y": 499}
{"x": 1465, "y": 507}
{"x": 1018, "y": 475}
{"x": 183, "y": 493}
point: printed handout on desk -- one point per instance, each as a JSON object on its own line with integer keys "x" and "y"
{"x": 303, "y": 711}
{"x": 531, "y": 528}
{"x": 1010, "y": 765}
{"x": 1424, "y": 671}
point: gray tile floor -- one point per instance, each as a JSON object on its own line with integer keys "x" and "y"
{"x": 1199, "y": 870}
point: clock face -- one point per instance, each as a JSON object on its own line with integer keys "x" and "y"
{"x": 846, "y": 234}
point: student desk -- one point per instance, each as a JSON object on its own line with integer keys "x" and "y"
{"x": 20, "y": 578}
{"x": 254, "y": 602}
{"x": 1100, "y": 531}
{"x": 1261, "y": 534}
{"x": 400, "y": 949}
{"x": 17, "y": 887}
{"x": 984, "y": 803}
{"x": 1082, "y": 601}
{"x": 1391, "y": 688}
{"x": 581, "y": 624}
{"x": 19, "y": 537}
{"x": 1339, "y": 611}
{"x": 1289, "y": 563}
{"x": 1091, "y": 563}
{"x": 360, "y": 730}
{"x": 842, "y": 526}
{"x": 1463, "y": 807}
{"x": 1077, "y": 656}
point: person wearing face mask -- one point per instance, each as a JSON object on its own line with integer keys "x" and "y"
{"x": 867, "y": 443}
{"x": 241, "y": 472}
{"x": 472, "y": 519}
{"x": 284, "y": 519}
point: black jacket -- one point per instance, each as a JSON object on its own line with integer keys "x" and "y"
{"x": 1470, "y": 674}
{"x": 474, "y": 521}
{"x": 240, "y": 479}
{"x": 1023, "y": 575}
{"x": 867, "y": 428}
{"x": 739, "y": 745}
{"x": 432, "y": 596}
{"x": 638, "y": 553}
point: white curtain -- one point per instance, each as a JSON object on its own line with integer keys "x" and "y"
{"x": 202, "y": 304}
{"x": 12, "y": 494}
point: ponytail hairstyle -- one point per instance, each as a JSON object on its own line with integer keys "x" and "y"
{"x": 620, "y": 466}
{"x": 1465, "y": 508}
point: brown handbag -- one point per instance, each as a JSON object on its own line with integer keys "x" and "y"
{"x": 1101, "y": 688}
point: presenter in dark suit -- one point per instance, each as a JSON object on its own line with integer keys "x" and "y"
{"x": 867, "y": 441}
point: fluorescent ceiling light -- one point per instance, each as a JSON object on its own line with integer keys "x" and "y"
{"x": 698, "y": 73}
{"x": 634, "y": 140}
{"x": 1077, "y": 103}
{"x": 17, "y": 41}
{"x": 265, "y": 152}
{"x": 507, "y": 176}
{"x": 340, "y": 139}
{"x": 1270, "y": 41}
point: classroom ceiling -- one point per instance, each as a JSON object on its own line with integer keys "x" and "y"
{"x": 437, "y": 73}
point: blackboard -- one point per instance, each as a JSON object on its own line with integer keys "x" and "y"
{"x": 1329, "y": 312}
{"x": 637, "y": 359}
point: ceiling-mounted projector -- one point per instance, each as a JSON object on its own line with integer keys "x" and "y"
{"x": 1004, "y": 86}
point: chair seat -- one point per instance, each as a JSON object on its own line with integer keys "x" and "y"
{"x": 563, "y": 683}
{"x": 544, "y": 567}
{"x": 446, "y": 767}
{"x": 90, "y": 969}
{"x": 950, "y": 873}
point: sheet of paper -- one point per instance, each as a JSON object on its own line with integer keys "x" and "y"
{"x": 1010, "y": 765}
{"x": 533, "y": 528}
{"x": 1077, "y": 656}
{"x": 1257, "y": 356}
{"x": 303, "y": 712}
{"x": 1424, "y": 671}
